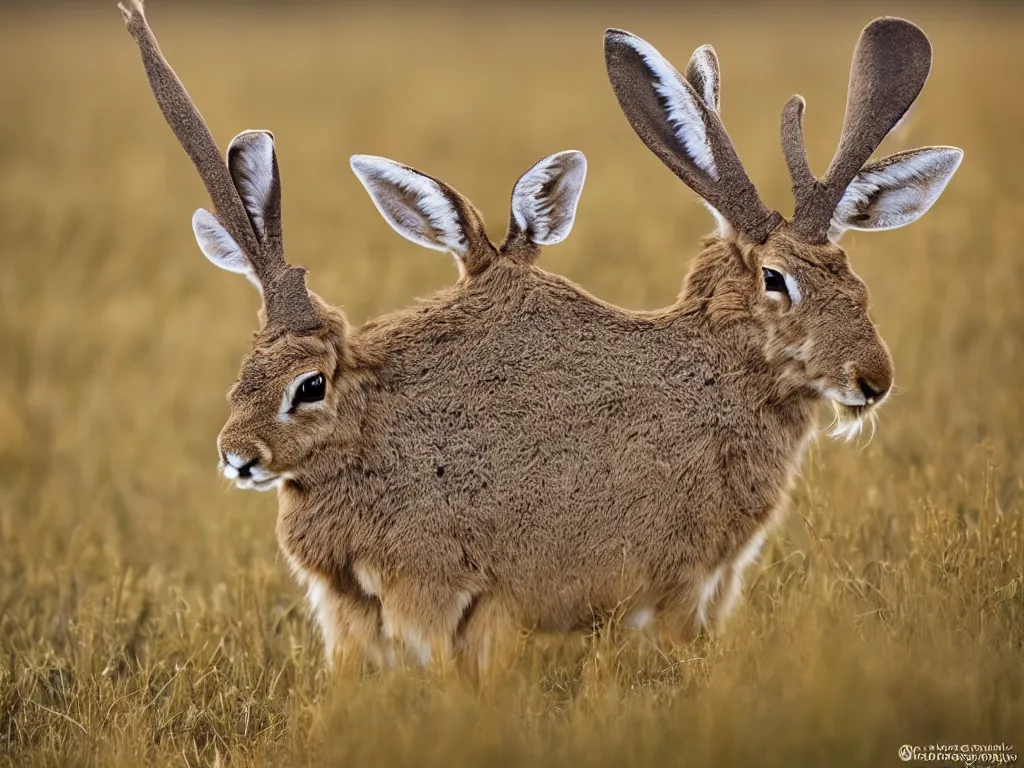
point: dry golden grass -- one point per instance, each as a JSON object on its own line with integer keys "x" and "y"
{"x": 145, "y": 615}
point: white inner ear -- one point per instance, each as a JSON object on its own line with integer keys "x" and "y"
{"x": 545, "y": 198}
{"x": 725, "y": 229}
{"x": 705, "y": 61}
{"x": 895, "y": 191}
{"x": 413, "y": 204}
{"x": 220, "y": 247}
{"x": 683, "y": 113}
{"x": 255, "y": 177}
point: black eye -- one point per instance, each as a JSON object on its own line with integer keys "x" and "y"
{"x": 774, "y": 281}
{"x": 311, "y": 390}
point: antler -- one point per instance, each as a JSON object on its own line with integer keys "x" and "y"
{"x": 890, "y": 67}
{"x": 258, "y": 234}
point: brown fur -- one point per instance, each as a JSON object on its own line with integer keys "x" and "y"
{"x": 515, "y": 453}
{"x": 517, "y": 443}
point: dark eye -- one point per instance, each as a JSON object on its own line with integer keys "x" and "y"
{"x": 774, "y": 282}
{"x": 311, "y": 390}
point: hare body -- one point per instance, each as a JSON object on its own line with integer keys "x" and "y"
{"x": 515, "y": 453}
{"x": 666, "y": 453}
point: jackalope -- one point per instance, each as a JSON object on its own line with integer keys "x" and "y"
{"x": 514, "y": 453}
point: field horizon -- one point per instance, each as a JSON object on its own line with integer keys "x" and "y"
{"x": 146, "y": 614}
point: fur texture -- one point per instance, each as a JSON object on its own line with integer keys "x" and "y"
{"x": 470, "y": 465}
{"x": 515, "y": 453}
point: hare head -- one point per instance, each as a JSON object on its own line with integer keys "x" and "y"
{"x": 299, "y": 386}
{"x": 301, "y": 340}
{"x": 790, "y": 275}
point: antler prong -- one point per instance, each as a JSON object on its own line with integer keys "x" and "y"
{"x": 191, "y": 130}
{"x": 890, "y": 66}
{"x": 793, "y": 143}
{"x": 287, "y": 302}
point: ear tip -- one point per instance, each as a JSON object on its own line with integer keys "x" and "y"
{"x": 708, "y": 50}
{"x": 574, "y": 155}
{"x": 129, "y": 8}
{"x": 202, "y": 217}
{"x": 956, "y": 156}
{"x": 613, "y": 37}
{"x": 255, "y": 136}
{"x": 360, "y": 162}
{"x": 365, "y": 164}
{"x": 569, "y": 163}
{"x": 949, "y": 157}
{"x": 577, "y": 162}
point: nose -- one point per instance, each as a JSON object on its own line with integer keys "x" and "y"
{"x": 245, "y": 471}
{"x": 240, "y": 465}
{"x": 872, "y": 392}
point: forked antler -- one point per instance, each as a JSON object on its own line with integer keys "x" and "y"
{"x": 890, "y": 67}
{"x": 257, "y": 233}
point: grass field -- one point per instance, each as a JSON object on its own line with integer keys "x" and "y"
{"x": 146, "y": 616}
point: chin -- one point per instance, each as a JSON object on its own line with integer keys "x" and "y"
{"x": 850, "y": 420}
{"x": 250, "y": 484}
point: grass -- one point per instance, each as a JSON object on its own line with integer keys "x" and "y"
{"x": 145, "y": 615}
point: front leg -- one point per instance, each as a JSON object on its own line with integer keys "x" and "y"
{"x": 730, "y": 586}
{"x": 424, "y": 620}
{"x": 350, "y": 625}
{"x": 678, "y": 619}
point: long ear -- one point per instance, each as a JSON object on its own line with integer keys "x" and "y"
{"x": 895, "y": 191}
{"x": 704, "y": 75}
{"x": 426, "y": 211}
{"x": 544, "y": 199}
{"x": 686, "y": 134}
{"x": 220, "y": 247}
{"x": 253, "y": 165}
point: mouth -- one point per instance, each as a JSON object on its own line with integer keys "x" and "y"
{"x": 850, "y": 420}
{"x": 258, "y": 480}
{"x": 852, "y": 412}
{"x": 263, "y": 484}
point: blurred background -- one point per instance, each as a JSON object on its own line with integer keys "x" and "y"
{"x": 145, "y": 613}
